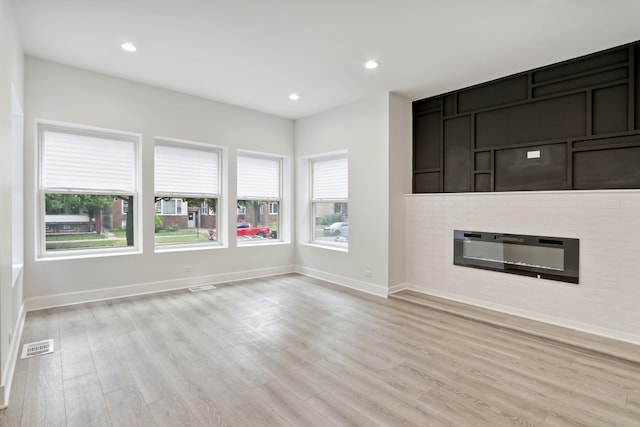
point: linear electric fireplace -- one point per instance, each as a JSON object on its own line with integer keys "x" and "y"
{"x": 554, "y": 258}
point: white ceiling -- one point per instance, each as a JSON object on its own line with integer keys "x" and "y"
{"x": 254, "y": 53}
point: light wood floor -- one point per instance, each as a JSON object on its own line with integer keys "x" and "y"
{"x": 292, "y": 351}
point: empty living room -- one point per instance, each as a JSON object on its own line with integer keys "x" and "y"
{"x": 320, "y": 214}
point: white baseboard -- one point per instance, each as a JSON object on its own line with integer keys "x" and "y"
{"x": 397, "y": 288}
{"x": 369, "y": 288}
{"x": 14, "y": 349}
{"x": 578, "y": 326}
{"x": 58, "y": 300}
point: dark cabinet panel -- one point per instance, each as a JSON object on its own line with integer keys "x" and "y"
{"x": 449, "y": 105}
{"x": 581, "y": 65}
{"x": 582, "y": 115}
{"x": 582, "y": 82}
{"x": 483, "y": 182}
{"x": 501, "y": 92}
{"x": 426, "y": 141}
{"x": 610, "y": 109}
{"x": 555, "y": 118}
{"x": 483, "y": 160}
{"x": 457, "y": 154}
{"x": 534, "y": 168}
{"x": 617, "y": 168}
{"x": 428, "y": 182}
{"x": 426, "y": 105}
{"x": 637, "y": 86}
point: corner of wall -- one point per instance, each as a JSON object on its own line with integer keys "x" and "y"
{"x": 9, "y": 369}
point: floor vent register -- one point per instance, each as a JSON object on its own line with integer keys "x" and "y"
{"x": 37, "y": 348}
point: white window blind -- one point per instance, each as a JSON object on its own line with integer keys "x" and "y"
{"x": 258, "y": 177}
{"x": 331, "y": 179}
{"x": 186, "y": 171}
{"x": 88, "y": 163}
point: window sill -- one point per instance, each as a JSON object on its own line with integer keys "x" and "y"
{"x": 67, "y": 255}
{"x": 327, "y": 246}
{"x": 186, "y": 248}
{"x": 253, "y": 244}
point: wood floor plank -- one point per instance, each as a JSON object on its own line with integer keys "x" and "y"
{"x": 338, "y": 412}
{"x": 289, "y": 406}
{"x": 84, "y": 402}
{"x": 633, "y": 399}
{"x": 44, "y": 394}
{"x": 296, "y": 351}
{"x": 191, "y": 382}
{"x": 127, "y": 408}
{"x": 77, "y": 360}
{"x": 171, "y": 411}
{"x": 259, "y": 413}
{"x": 12, "y": 415}
{"x": 151, "y": 381}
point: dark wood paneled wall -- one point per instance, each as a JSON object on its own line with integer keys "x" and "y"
{"x": 571, "y": 125}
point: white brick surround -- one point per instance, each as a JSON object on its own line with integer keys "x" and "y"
{"x": 607, "y": 300}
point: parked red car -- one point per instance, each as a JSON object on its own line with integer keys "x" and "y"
{"x": 247, "y": 229}
{"x": 243, "y": 229}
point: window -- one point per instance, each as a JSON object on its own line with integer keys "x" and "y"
{"x": 259, "y": 188}
{"x": 187, "y": 191}
{"x": 125, "y": 206}
{"x": 330, "y": 200}
{"x": 170, "y": 207}
{"x": 84, "y": 175}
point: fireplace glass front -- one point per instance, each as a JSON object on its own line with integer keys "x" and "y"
{"x": 554, "y": 258}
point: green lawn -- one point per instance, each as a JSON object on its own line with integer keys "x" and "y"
{"x": 64, "y": 237}
{"x": 88, "y": 244}
{"x": 119, "y": 233}
{"x": 93, "y": 240}
{"x": 181, "y": 236}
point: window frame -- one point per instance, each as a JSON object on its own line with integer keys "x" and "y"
{"x": 242, "y": 210}
{"x": 220, "y": 217}
{"x": 41, "y": 127}
{"x": 313, "y": 202}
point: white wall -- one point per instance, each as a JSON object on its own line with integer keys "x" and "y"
{"x": 362, "y": 128}
{"x": 607, "y": 223}
{"x": 400, "y": 145}
{"x": 11, "y": 80}
{"x": 61, "y": 93}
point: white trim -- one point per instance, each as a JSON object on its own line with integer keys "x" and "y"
{"x": 328, "y": 245}
{"x": 557, "y": 321}
{"x": 397, "y": 288}
{"x": 59, "y": 300}
{"x": 326, "y": 155}
{"x": 39, "y": 236}
{"x": 10, "y": 368}
{"x": 369, "y": 288}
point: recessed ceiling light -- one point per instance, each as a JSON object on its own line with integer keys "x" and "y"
{"x": 129, "y": 47}
{"x": 294, "y": 97}
{"x": 371, "y": 65}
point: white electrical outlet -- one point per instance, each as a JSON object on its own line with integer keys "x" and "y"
{"x": 367, "y": 273}
{"x": 187, "y": 269}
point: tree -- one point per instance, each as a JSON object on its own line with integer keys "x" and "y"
{"x": 252, "y": 211}
{"x": 68, "y": 203}
{"x": 129, "y": 230}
